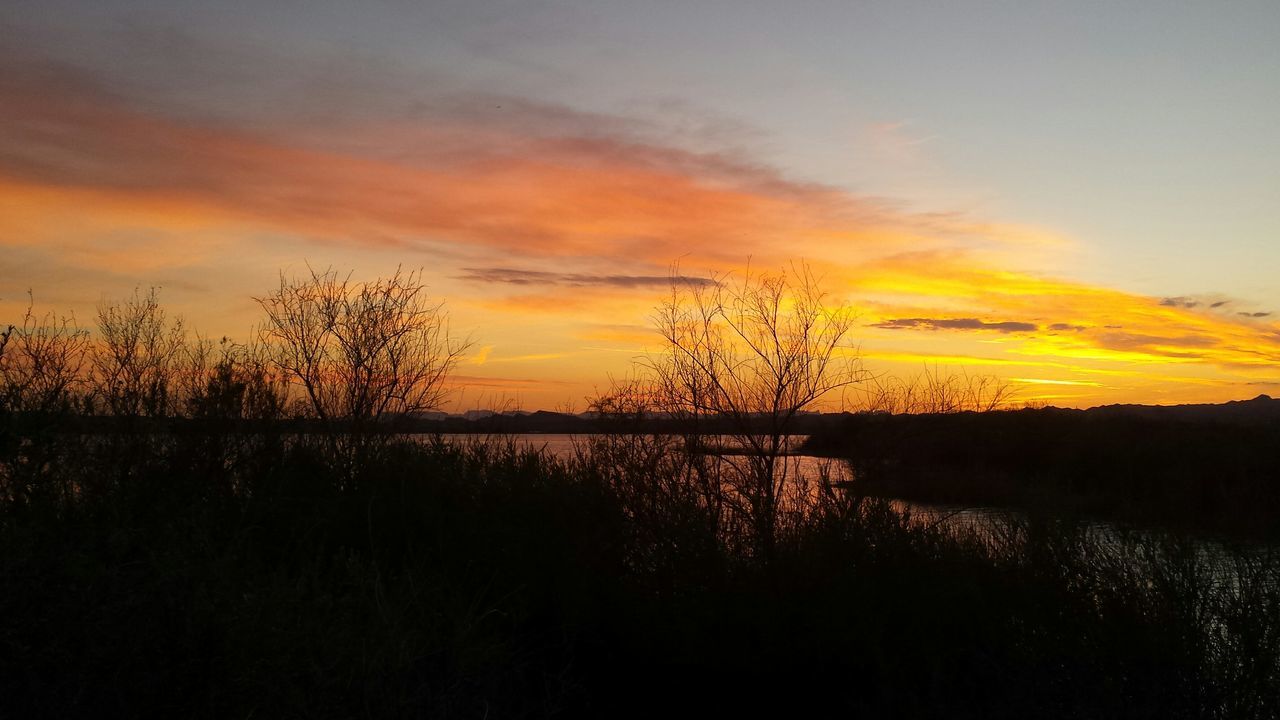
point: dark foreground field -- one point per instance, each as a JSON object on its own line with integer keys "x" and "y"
{"x": 244, "y": 575}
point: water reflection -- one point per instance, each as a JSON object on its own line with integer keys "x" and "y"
{"x": 1003, "y": 530}
{"x": 808, "y": 470}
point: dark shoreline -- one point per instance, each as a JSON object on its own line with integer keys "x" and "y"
{"x": 1197, "y": 469}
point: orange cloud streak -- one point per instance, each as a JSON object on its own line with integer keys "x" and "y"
{"x": 79, "y": 165}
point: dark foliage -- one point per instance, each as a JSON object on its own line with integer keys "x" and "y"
{"x": 1203, "y": 469}
{"x": 251, "y": 574}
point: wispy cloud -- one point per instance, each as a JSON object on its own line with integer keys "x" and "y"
{"x": 512, "y": 276}
{"x": 482, "y": 355}
{"x": 1006, "y": 326}
{"x": 1046, "y": 381}
{"x": 508, "y": 174}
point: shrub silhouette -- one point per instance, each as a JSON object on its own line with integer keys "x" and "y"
{"x": 751, "y": 354}
{"x": 231, "y": 382}
{"x": 42, "y": 360}
{"x": 136, "y": 356}
{"x": 360, "y": 353}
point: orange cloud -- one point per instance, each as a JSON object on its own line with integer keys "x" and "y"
{"x": 474, "y": 181}
{"x": 1075, "y": 332}
{"x": 562, "y": 226}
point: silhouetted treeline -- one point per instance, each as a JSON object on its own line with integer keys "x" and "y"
{"x": 540, "y": 421}
{"x": 1206, "y": 468}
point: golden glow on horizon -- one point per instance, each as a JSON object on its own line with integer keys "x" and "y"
{"x": 1043, "y": 381}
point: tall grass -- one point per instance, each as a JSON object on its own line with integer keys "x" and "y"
{"x": 167, "y": 548}
{"x": 248, "y": 574}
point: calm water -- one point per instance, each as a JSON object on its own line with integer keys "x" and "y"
{"x": 987, "y": 521}
{"x": 563, "y": 446}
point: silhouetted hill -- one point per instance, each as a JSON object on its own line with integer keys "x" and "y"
{"x": 1261, "y": 409}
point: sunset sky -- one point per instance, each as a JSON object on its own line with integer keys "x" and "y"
{"x": 1082, "y": 198}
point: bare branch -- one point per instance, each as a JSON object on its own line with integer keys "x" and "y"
{"x": 749, "y": 356}
{"x": 41, "y": 362}
{"x": 361, "y": 352}
{"x": 136, "y": 357}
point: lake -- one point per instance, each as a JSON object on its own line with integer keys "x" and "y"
{"x": 564, "y": 447}
{"x": 993, "y": 523}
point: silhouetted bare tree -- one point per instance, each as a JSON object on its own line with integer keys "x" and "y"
{"x": 361, "y": 352}
{"x": 41, "y": 382}
{"x": 136, "y": 357}
{"x": 752, "y": 354}
{"x": 41, "y": 363}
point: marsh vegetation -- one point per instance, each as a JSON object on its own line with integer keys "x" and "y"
{"x": 172, "y": 547}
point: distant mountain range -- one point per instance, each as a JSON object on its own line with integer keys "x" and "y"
{"x": 1261, "y": 409}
